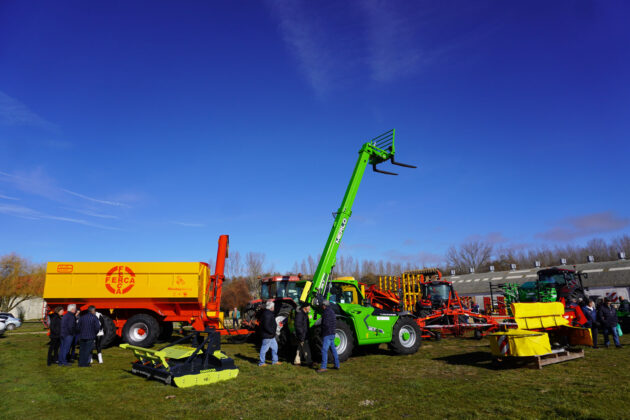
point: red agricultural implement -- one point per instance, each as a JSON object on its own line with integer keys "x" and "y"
{"x": 437, "y": 306}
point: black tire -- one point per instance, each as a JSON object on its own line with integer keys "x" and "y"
{"x": 166, "y": 331}
{"x": 477, "y": 334}
{"x": 249, "y": 316}
{"x": 409, "y": 345}
{"x": 438, "y": 336}
{"x": 141, "y": 330}
{"x": 110, "y": 332}
{"x": 346, "y": 345}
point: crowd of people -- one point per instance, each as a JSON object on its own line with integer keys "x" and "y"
{"x": 604, "y": 317}
{"x": 72, "y": 329}
{"x": 303, "y": 356}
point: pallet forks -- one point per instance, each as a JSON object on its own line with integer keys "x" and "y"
{"x": 185, "y": 366}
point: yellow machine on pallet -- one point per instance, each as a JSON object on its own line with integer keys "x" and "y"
{"x": 185, "y": 366}
{"x": 539, "y": 326}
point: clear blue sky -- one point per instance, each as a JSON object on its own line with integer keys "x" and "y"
{"x": 143, "y": 130}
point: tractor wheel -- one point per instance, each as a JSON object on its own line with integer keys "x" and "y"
{"x": 406, "y": 336}
{"x": 438, "y": 336}
{"x": 110, "y": 332}
{"x": 249, "y": 316}
{"x": 344, "y": 336}
{"x": 141, "y": 330}
{"x": 166, "y": 331}
{"x": 478, "y": 335}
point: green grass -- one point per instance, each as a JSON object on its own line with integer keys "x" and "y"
{"x": 448, "y": 379}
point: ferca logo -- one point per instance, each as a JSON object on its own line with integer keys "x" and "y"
{"x": 120, "y": 279}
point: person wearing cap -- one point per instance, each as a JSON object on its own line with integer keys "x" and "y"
{"x": 608, "y": 320}
{"x": 268, "y": 328}
{"x": 303, "y": 354}
{"x": 329, "y": 325}
{"x": 624, "y": 306}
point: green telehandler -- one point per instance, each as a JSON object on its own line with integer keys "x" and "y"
{"x": 358, "y": 323}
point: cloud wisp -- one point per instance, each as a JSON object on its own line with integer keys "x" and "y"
{"x": 6, "y": 197}
{"x": 14, "y": 112}
{"x": 591, "y": 224}
{"x": 36, "y": 182}
{"x": 31, "y": 214}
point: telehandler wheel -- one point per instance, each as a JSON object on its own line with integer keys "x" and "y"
{"x": 406, "y": 336}
{"x": 141, "y": 330}
{"x": 166, "y": 331}
{"x": 109, "y": 330}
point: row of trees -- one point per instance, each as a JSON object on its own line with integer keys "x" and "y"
{"x": 21, "y": 279}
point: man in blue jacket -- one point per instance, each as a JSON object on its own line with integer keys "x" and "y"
{"x": 329, "y": 325}
{"x": 591, "y": 316}
{"x": 89, "y": 326}
{"x": 68, "y": 326}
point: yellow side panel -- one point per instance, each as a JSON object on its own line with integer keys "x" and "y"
{"x": 102, "y": 280}
{"x": 521, "y": 343}
{"x": 525, "y": 310}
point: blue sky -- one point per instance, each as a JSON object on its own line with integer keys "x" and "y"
{"x": 143, "y": 131}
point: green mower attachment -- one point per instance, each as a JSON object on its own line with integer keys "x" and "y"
{"x": 185, "y": 366}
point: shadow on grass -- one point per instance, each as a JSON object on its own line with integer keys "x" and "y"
{"x": 479, "y": 359}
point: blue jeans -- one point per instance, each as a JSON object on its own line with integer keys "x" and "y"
{"x": 268, "y": 343}
{"x": 614, "y": 333}
{"x": 66, "y": 342}
{"x": 329, "y": 342}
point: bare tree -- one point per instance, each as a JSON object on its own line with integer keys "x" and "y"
{"x": 473, "y": 254}
{"x": 234, "y": 265}
{"x": 254, "y": 262}
{"x": 312, "y": 265}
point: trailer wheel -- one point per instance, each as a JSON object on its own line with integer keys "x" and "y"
{"x": 166, "y": 331}
{"x": 141, "y": 330}
{"x": 110, "y": 331}
{"x": 406, "y": 336}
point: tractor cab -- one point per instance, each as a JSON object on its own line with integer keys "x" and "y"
{"x": 567, "y": 284}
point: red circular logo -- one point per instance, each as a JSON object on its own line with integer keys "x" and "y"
{"x": 120, "y": 279}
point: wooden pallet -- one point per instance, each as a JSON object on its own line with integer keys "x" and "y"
{"x": 556, "y": 356}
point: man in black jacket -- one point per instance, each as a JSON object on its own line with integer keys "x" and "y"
{"x": 609, "y": 321}
{"x": 268, "y": 328}
{"x": 88, "y": 328}
{"x": 591, "y": 316}
{"x": 68, "y": 328}
{"x": 329, "y": 326}
{"x": 55, "y": 335}
{"x": 303, "y": 355}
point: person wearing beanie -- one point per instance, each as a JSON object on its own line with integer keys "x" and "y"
{"x": 329, "y": 325}
{"x": 268, "y": 328}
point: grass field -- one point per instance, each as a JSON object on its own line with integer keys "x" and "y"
{"x": 453, "y": 378}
